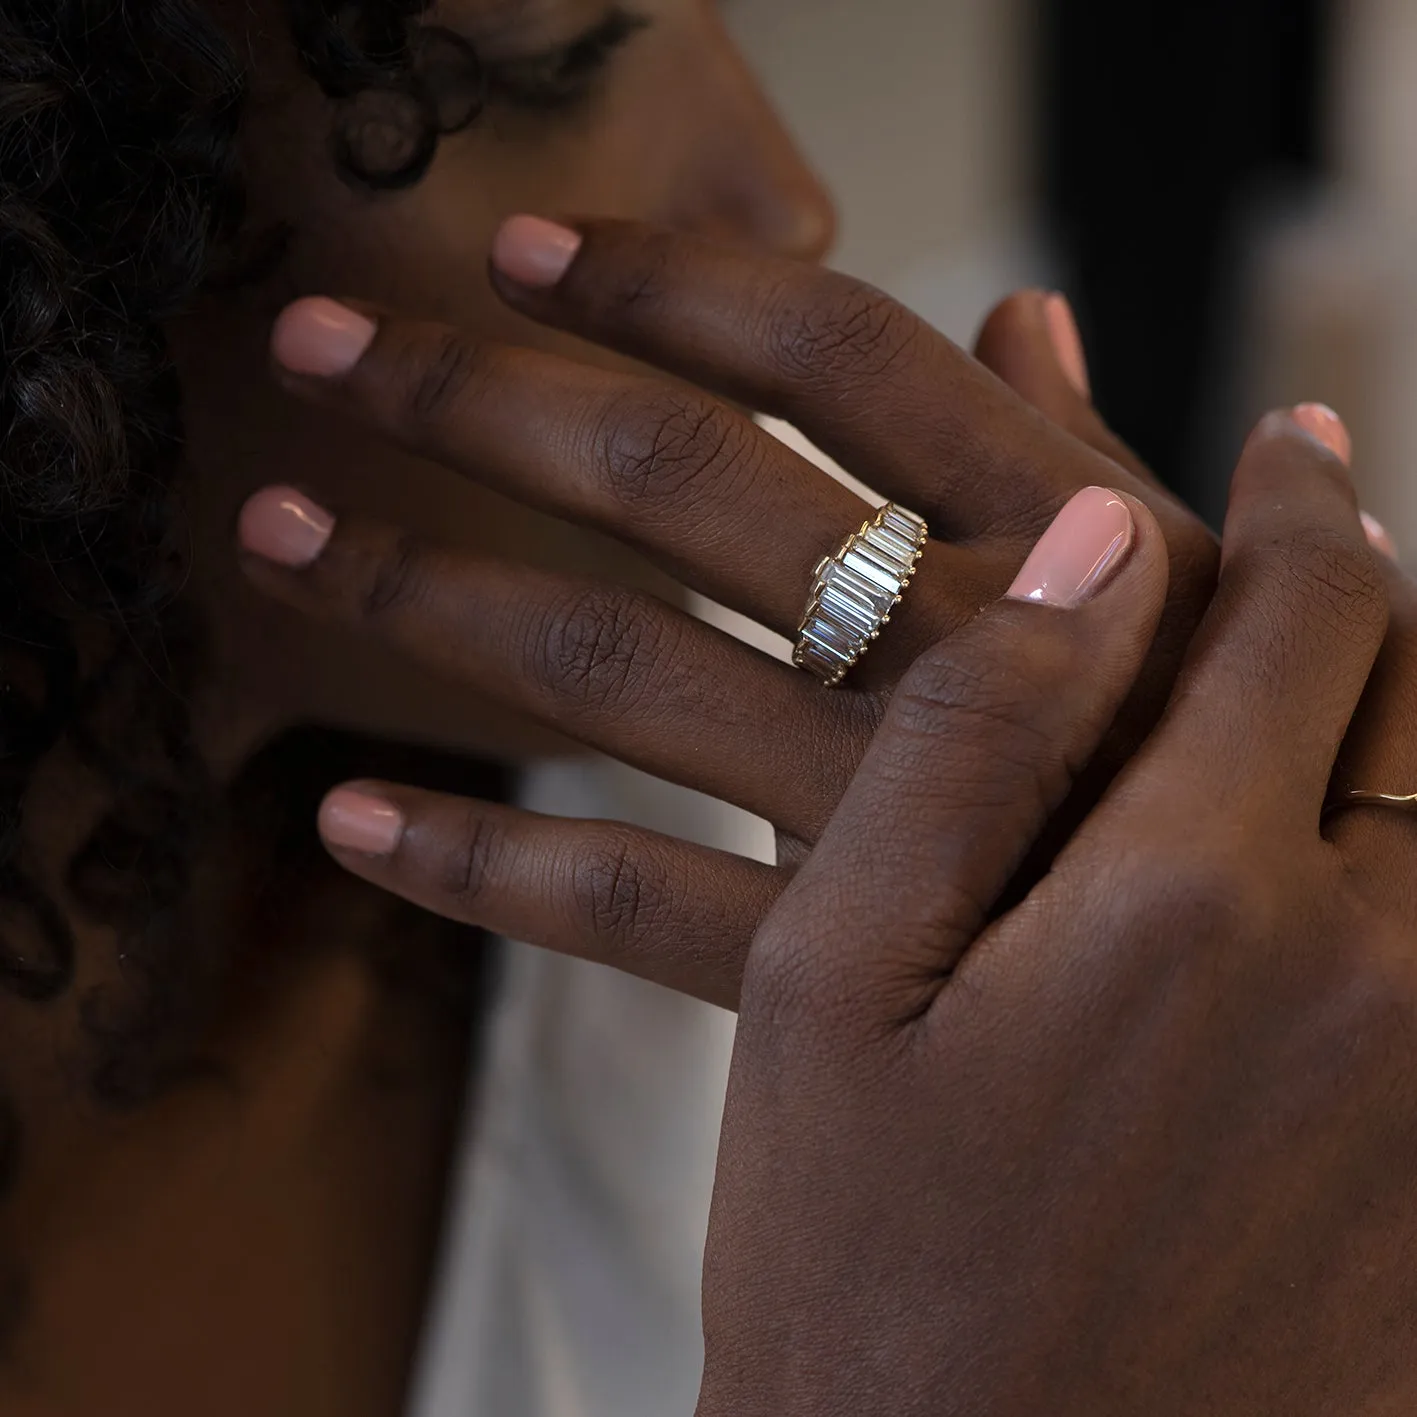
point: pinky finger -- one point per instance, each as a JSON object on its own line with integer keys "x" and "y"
{"x": 668, "y": 911}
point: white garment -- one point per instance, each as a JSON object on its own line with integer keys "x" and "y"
{"x": 571, "y": 1271}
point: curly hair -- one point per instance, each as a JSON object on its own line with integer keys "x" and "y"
{"x": 120, "y": 197}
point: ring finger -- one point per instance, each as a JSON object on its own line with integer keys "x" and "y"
{"x": 618, "y": 670}
{"x": 719, "y": 503}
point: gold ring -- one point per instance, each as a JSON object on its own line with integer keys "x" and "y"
{"x": 855, "y": 591}
{"x": 1360, "y": 797}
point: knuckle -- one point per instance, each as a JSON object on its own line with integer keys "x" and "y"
{"x": 1344, "y": 574}
{"x": 985, "y": 696}
{"x": 782, "y": 985}
{"x": 615, "y": 888}
{"x": 391, "y": 581}
{"x": 647, "y": 283}
{"x": 854, "y": 331}
{"x": 1330, "y": 576}
{"x": 662, "y": 448}
{"x": 438, "y": 376}
{"x": 597, "y": 652}
{"x": 1202, "y": 896}
{"x": 818, "y": 1005}
{"x": 467, "y": 866}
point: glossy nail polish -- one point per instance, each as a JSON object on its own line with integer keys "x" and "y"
{"x": 355, "y": 820}
{"x": 534, "y": 252}
{"x": 321, "y": 338}
{"x": 282, "y": 525}
{"x": 1080, "y": 553}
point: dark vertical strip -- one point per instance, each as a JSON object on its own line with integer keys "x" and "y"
{"x": 1157, "y": 121}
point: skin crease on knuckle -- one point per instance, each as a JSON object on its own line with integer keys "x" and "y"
{"x": 441, "y": 375}
{"x": 617, "y": 890}
{"x": 1309, "y": 582}
{"x": 657, "y": 454}
{"x": 844, "y": 337}
{"x": 468, "y": 856}
{"x": 598, "y": 653}
{"x": 393, "y": 581}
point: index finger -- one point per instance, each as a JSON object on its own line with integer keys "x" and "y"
{"x": 875, "y": 386}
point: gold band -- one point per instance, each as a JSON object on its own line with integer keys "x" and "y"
{"x": 1359, "y": 797}
{"x": 854, "y": 592}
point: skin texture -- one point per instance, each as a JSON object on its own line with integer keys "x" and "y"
{"x": 690, "y": 483}
{"x": 1146, "y": 1142}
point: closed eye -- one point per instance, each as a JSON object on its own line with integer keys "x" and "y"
{"x": 561, "y": 77}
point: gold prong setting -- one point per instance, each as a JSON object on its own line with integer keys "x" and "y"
{"x": 855, "y": 591}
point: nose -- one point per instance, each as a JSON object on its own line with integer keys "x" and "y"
{"x": 751, "y": 183}
{"x": 780, "y": 204}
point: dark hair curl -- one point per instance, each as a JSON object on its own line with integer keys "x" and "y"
{"x": 119, "y": 198}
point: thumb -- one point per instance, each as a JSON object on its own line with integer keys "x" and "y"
{"x": 981, "y": 745}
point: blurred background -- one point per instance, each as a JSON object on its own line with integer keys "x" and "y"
{"x": 1227, "y": 189}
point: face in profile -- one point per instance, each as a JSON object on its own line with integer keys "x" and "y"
{"x": 644, "y": 110}
{"x": 256, "y": 1225}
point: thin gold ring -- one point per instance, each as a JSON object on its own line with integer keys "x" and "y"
{"x": 1361, "y": 797}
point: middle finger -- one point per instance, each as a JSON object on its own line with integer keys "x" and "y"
{"x": 722, "y": 505}
{"x": 618, "y": 670}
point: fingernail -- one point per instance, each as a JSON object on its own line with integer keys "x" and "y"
{"x": 1378, "y": 537}
{"x": 358, "y": 821}
{"x": 321, "y": 338}
{"x": 1321, "y": 422}
{"x": 533, "y": 251}
{"x": 1067, "y": 342}
{"x": 1083, "y": 549}
{"x": 284, "y": 526}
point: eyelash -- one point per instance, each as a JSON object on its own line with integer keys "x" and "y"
{"x": 562, "y": 77}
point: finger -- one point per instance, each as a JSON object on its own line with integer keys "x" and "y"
{"x": 1380, "y": 751}
{"x": 715, "y": 500}
{"x": 868, "y": 381}
{"x": 677, "y": 914}
{"x": 1032, "y": 342}
{"x": 1283, "y": 655}
{"x": 981, "y": 745}
{"x": 618, "y": 670}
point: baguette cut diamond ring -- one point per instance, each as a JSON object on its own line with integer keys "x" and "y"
{"x": 855, "y": 591}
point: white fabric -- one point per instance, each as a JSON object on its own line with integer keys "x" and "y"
{"x": 570, "y": 1277}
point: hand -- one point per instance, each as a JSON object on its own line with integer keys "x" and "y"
{"x": 723, "y": 506}
{"x": 1148, "y": 1142}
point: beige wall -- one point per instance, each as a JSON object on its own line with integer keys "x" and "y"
{"x": 915, "y": 112}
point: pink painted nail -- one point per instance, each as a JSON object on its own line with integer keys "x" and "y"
{"x": 533, "y": 251}
{"x": 282, "y": 525}
{"x": 1083, "y": 549}
{"x": 354, "y": 820}
{"x": 1378, "y": 536}
{"x": 1067, "y": 342}
{"x": 321, "y": 338}
{"x": 1319, "y": 421}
